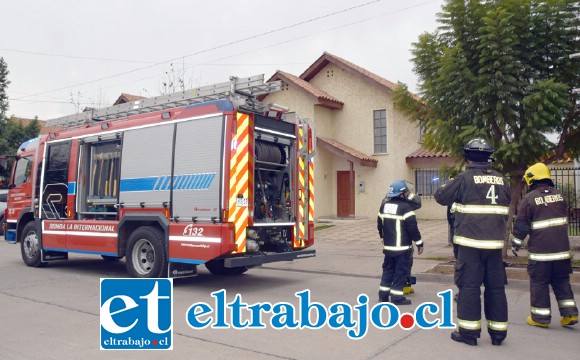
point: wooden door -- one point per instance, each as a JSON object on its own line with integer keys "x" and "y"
{"x": 345, "y": 194}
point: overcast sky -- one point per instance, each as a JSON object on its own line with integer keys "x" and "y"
{"x": 62, "y": 52}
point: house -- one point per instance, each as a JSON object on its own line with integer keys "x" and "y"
{"x": 43, "y": 128}
{"x": 125, "y": 98}
{"x": 363, "y": 143}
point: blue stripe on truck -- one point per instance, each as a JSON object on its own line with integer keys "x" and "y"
{"x": 161, "y": 183}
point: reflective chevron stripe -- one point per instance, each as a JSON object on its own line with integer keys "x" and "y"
{"x": 550, "y": 257}
{"x": 479, "y": 244}
{"x": 549, "y": 223}
{"x": 479, "y": 209}
{"x": 469, "y": 325}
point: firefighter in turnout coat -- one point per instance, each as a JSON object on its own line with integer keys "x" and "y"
{"x": 479, "y": 198}
{"x": 542, "y": 214}
{"x": 397, "y": 226}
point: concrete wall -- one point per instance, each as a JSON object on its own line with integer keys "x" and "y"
{"x": 353, "y": 126}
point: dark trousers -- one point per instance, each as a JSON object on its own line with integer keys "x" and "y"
{"x": 396, "y": 267}
{"x": 409, "y": 281}
{"x": 542, "y": 275}
{"x": 473, "y": 268}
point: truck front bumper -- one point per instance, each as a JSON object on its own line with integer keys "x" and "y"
{"x": 263, "y": 258}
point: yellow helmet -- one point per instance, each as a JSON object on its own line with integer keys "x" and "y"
{"x": 535, "y": 172}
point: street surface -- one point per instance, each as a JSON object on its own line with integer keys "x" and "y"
{"x": 53, "y": 312}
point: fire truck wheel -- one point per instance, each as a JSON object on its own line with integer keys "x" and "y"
{"x": 217, "y": 267}
{"x": 146, "y": 254}
{"x": 30, "y": 246}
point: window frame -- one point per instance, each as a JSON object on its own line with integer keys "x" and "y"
{"x": 436, "y": 176}
{"x": 380, "y": 147}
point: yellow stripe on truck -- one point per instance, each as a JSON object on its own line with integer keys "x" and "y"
{"x": 239, "y": 181}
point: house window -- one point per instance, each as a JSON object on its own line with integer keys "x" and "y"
{"x": 380, "y": 131}
{"x": 428, "y": 180}
{"x": 421, "y": 132}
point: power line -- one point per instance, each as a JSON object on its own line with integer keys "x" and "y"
{"x": 245, "y": 52}
{"x": 211, "y": 49}
{"x": 327, "y": 30}
{"x": 76, "y": 57}
{"x": 125, "y": 60}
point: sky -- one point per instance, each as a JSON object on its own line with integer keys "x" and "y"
{"x": 65, "y": 55}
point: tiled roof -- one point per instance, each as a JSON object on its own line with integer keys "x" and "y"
{"x": 327, "y": 58}
{"x": 324, "y": 99}
{"x": 125, "y": 98}
{"x": 423, "y": 157}
{"x": 424, "y": 153}
{"x": 43, "y": 129}
{"x": 347, "y": 152}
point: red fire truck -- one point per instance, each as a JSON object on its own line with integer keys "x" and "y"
{"x": 206, "y": 176}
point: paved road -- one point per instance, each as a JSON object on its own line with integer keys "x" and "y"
{"x": 53, "y": 313}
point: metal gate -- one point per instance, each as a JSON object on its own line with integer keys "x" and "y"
{"x": 567, "y": 180}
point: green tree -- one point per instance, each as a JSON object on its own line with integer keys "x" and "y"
{"x": 15, "y": 133}
{"x": 3, "y": 87}
{"x": 12, "y": 131}
{"x": 500, "y": 70}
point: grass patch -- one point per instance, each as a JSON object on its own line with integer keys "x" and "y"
{"x": 435, "y": 258}
{"x": 322, "y": 227}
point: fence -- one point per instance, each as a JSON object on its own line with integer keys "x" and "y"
{"x": 568, "y": 181}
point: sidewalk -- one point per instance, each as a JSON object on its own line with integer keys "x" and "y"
{"x": 353, "y": 247}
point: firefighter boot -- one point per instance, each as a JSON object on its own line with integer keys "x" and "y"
{"x": 408, "y": 290}
{"x": 569, "y": 320}
{"x": 402, "y": 301}
{"x": 469, "y": 340}
{"x": 535, "y": 323}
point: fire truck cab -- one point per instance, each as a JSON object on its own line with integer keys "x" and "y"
{"x": 207, "y": 176}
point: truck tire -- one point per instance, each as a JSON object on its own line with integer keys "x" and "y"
{"x": 30, "y": 246}
{"x": 146, "y": 253}
{"x": 217, "y": 267}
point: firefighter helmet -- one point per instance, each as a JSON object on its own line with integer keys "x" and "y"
{"x": 397, "y": 188}
{"x": 538, "y": 171}
{"x": 478, "y": 150}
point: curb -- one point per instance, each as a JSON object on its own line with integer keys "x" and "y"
{"x": 512, "y": 283}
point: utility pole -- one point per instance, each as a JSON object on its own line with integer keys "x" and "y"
{"x": 573, "y": 56}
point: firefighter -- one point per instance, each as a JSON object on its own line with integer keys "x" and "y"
{"x": 397, "y": 226}
{"x": 479, "y": 198}
{"x": 542, "y": 214}
{"x": 415, "y": 201}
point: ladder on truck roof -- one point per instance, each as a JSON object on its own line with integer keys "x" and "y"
{"x": 245, "y": 89}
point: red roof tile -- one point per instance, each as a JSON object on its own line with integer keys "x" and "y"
{"x": 125, "y": 98}
{"x": 327, "y": 58}
{"x": 347, "y": 152}
{"x": 424, "y": 153}
{"x": 43, "y": 129}
{"x": 323, "y": 98}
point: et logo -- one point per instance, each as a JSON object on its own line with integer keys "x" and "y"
{"x": 136, "y": 314}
